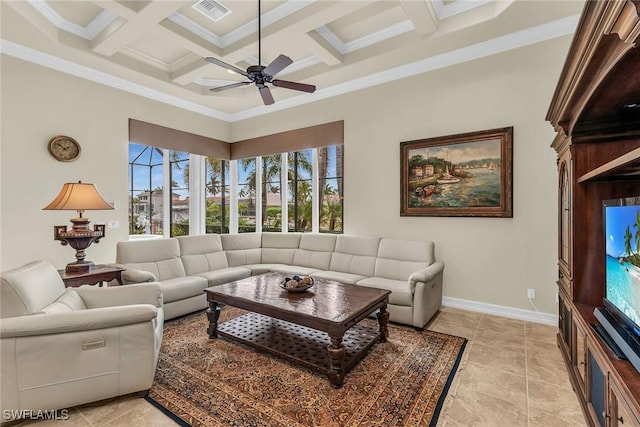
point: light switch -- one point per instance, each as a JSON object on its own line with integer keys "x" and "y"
{"x": 114, "y": 224}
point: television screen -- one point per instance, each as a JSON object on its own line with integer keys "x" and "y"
{"x": 622, "y": 267}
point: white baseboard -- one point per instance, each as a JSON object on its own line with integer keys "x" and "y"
{"x": 501, "y": 310}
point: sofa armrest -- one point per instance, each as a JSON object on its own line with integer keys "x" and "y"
{"x": 141, "y": 293}
{"x": 134, "y": 275}
{"x": 74, "y": 321}
{"x": 426, "y": 275}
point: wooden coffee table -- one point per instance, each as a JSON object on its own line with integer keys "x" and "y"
{"x": 295, "y": 325}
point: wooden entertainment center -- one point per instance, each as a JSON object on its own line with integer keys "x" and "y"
{"x": 596, "y": 112}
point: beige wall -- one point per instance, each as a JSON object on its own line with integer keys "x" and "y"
{"x": 490, "y": 260}
{"x": 38, "y": 103}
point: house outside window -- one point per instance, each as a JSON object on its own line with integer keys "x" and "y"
{"x": 145, "y": 190}
{"x": 179, "y": 200}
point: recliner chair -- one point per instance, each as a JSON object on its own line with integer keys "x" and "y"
{"x": 62, "y": 347}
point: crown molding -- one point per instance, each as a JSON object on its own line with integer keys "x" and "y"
{"x": 537, "y": 34}
{"x": 368, "y": 40}
{"x": 448, "y": 10}
{"x": 95, "y": 27}
{"x": 68, "y": 67}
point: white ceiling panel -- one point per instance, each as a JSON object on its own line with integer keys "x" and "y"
{"x": 157, "y": 48}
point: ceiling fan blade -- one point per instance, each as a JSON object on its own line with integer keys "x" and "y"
{"x": 227, "y": 66}
{"x": 265, "y": 93}
{"x": 231, "y": 86}
{"x": 278, "y": 64}
{"x": 295, "y": 86}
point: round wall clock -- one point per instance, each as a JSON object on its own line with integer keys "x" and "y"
{"x": 64, "y": 148}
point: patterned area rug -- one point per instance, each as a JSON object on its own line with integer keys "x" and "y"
{"x": 205, "y": 382}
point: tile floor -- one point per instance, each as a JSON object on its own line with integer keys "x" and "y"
{"x": 511, "y": 374}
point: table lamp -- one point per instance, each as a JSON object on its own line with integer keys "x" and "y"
{"x": 78, "y": 197}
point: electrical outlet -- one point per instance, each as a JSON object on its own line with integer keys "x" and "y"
{"x": 531, "y": 293}
{"x": 557, "y": 299}
{"x": 116, "y": 204}
{"x": 114, "y": 224}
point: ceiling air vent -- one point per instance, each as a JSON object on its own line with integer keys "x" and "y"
{"x": 211, "y": 9}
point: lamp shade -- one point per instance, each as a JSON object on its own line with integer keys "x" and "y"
{"x": 78, "y": 197}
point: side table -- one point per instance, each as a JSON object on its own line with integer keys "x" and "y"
{"x": 98, "y": 274}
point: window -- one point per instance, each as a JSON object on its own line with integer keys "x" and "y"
{"x": 330, "y": 194}
{"x": 271, "y": 195}
{"x": 216, "y": 192}
{"x": 179, "y": 200}
{"x": 300, "y": 190}
{"x": 145, "y": 190}
{"x": 186, "y": 187}
{"x": 147, "y": 199}
{"x": 247, "y": 195}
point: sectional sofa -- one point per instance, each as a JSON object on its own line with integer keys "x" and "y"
{"x": 186, "y": 265}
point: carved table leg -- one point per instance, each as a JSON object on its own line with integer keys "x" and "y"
{"x": 213, "y": 314}
{"x": 383, "y": 321}
{"x": 336, "y": 352}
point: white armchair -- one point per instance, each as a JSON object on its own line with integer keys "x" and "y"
{"x": 61, "y": 347}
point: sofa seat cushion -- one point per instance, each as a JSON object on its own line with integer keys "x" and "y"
{"x": 225, "y": 275}
{"x": 257, "y": 269}
{"x": 182, "y": 287}
{"x": 338, "y": 276}
{"x": 400, "y": 289}
{"x": 293, "y": 270}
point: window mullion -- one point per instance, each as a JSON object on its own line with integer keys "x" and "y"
{"x": 166, "y": 194}
{"x": 259, "y": 194}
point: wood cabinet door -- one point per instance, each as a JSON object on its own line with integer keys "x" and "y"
{"x": 564, "y": 222}
{"x": 621, "y": 414}
{"x": 564, "y": 325}
{"x": 579, "y": 357}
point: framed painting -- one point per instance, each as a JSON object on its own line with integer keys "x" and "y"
{"x": 469, "y": 174}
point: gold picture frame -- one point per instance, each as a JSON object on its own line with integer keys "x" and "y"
{"x": 468, "y": 174}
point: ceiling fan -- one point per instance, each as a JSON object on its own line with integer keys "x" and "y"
{"x": 261, "y": 75}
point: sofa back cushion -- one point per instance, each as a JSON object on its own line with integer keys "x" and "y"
{"x": 28, "y": 289}
{"x": 242, "y": 249}
{"x": 355, "y": 255}
{"x": 202, "y": 253}
{"x": 315, "y": 251}
{"x": 397, "y": 259}
{"x": 161, "y": 257}
{"x": 279, "y": 248}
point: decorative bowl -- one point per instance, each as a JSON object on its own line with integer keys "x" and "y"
{"x": 297, "y": 283}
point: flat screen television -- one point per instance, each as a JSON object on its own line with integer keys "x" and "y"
{"x": 620, "y": 314}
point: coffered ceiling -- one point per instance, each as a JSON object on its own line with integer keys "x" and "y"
{"x": 157, "y": 48}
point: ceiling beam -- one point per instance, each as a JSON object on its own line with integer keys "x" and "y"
{"x": 279, "y": 34}
{"x": 141, "y": 23}
{"x": 421, "y": 15}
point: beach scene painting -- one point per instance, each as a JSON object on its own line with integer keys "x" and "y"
{"x": 458, "y": 175}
